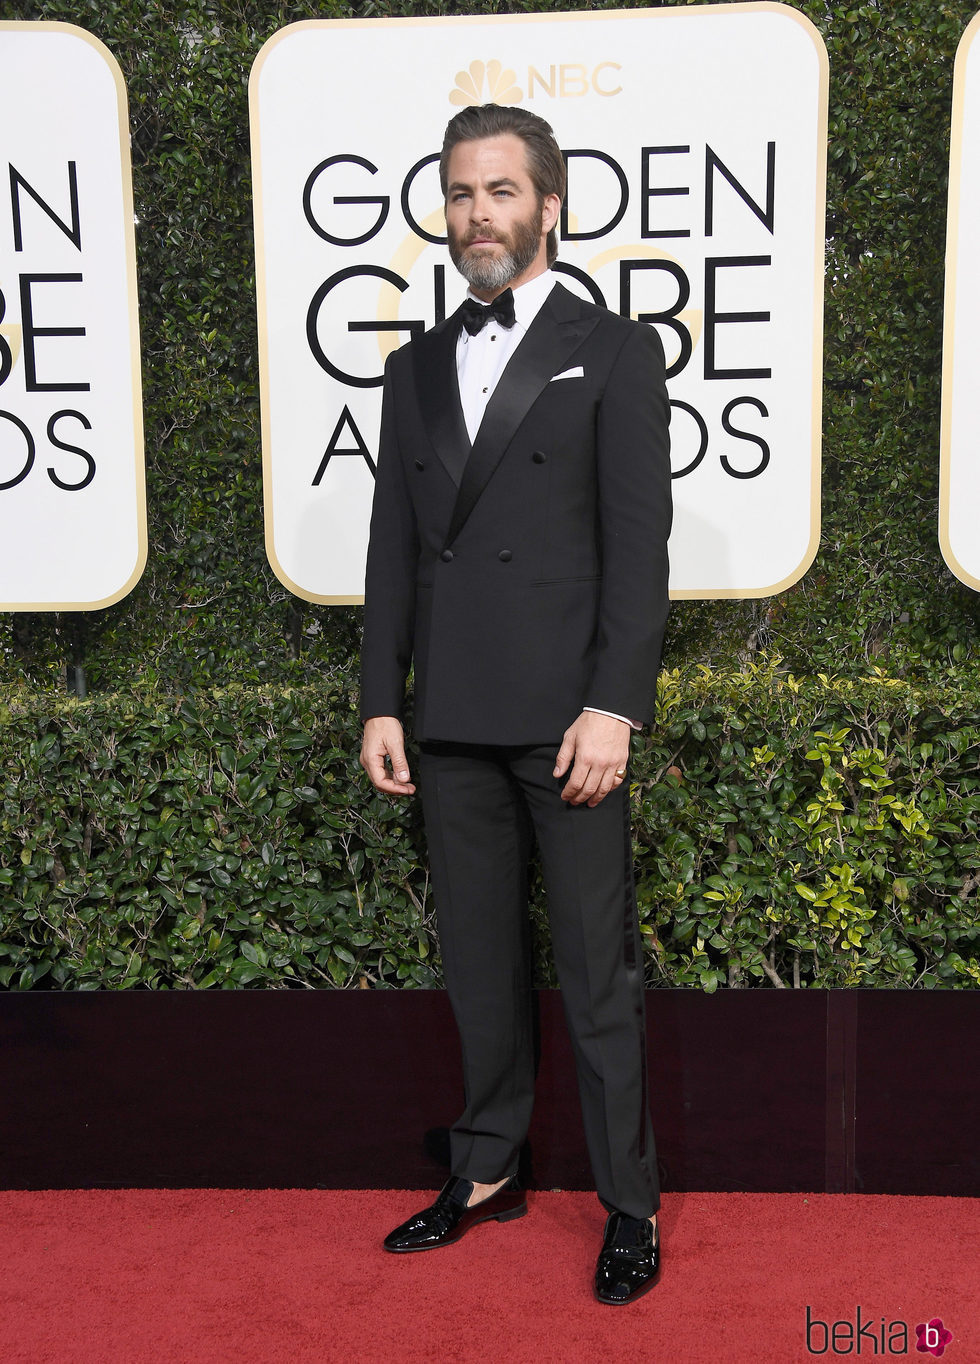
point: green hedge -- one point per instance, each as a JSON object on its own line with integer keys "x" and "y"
{"x": 788, "y": 832}
{"x": 822, "y": 832}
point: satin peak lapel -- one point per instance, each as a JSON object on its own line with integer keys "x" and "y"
{"x": 553, "y": 337}
{"x": 437, "y": 386}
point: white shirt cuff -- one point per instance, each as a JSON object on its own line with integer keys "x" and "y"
{"x": 613, "y": 716}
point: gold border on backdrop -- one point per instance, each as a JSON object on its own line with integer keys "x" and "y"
{"x": 129, "y": 233}
{"x": 577, "y": 16}
{"x": 949, "y": 307}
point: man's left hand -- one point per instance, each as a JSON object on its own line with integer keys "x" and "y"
{"x": 599, "y": 745}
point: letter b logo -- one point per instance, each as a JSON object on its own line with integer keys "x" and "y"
{"x": 814, "y": 1325}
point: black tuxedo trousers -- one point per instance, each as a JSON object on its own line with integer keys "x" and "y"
{"x": 483, "y": 806}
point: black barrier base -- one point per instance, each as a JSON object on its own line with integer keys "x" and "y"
{"x": 753, "y": 1090}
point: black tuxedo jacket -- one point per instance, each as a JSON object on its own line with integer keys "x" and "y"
{"x": 526, "y": 576}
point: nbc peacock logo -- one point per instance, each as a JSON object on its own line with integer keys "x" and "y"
{"x": 486, "y": 83}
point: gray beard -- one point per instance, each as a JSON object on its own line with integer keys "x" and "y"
{"x": 487, "y": 271}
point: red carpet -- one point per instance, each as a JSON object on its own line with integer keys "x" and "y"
{"x": 157, "y": 1275}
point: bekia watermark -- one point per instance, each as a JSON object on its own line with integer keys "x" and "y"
{"x": 844, "y": 1337}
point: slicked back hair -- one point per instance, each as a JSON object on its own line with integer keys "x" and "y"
{"x": 545, "y": 163}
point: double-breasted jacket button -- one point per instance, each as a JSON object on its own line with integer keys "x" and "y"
{"x": 505, "y": 556}
{"x": 539, "y": 456}
{"x": 420, "y": 466}
{"x": 446, "y": 556}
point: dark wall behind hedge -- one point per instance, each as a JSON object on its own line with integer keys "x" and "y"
{"x": 209, "y": 612}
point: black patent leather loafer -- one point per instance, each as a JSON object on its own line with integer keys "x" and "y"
{"x": 449, "y": 1218}
{"x": 629, "y": 1261}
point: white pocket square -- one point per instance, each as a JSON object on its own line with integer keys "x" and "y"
{"x": 576, "y": 373}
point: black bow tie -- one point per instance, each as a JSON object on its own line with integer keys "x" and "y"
{"x": 477, "y": 315}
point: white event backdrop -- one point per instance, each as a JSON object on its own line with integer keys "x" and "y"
{"x": 696, "y": 147}
{"x": 959, "y": 487}
{"x": 72, "y": 496}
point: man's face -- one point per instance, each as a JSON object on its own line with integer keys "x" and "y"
{"x": 497, "y": 228}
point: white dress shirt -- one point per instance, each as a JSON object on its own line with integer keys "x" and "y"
{"x": 480, "y": 361}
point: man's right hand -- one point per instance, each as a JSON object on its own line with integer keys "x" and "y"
{"x": 385, "y": 738}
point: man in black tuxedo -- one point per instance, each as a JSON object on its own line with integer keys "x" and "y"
{"x": 518, "y": 556}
